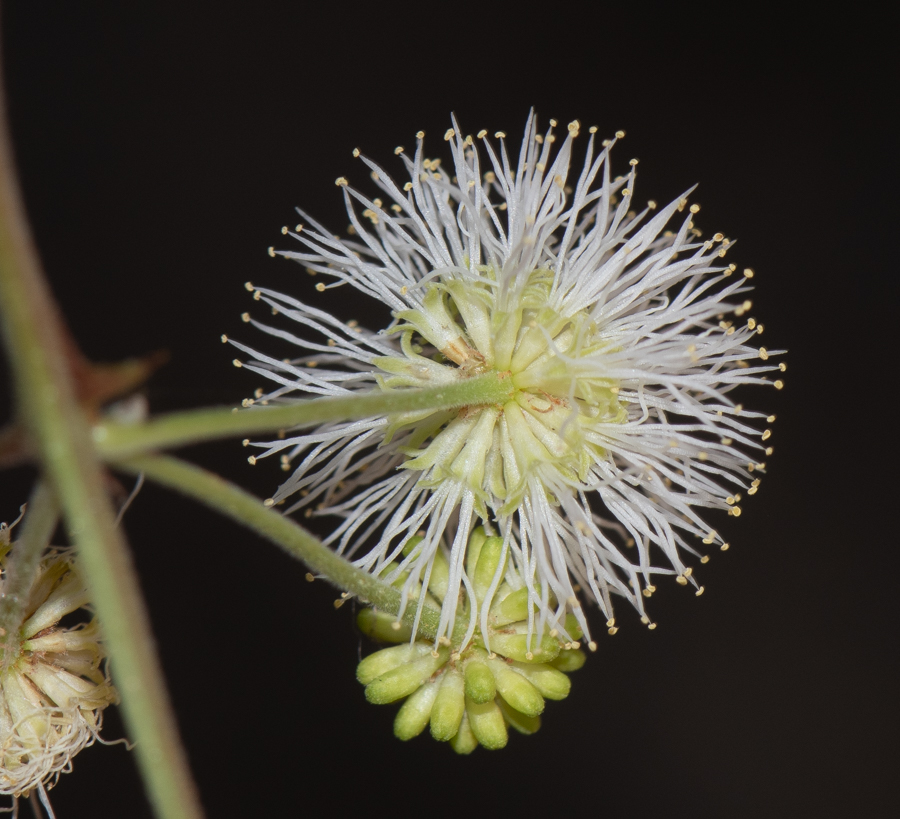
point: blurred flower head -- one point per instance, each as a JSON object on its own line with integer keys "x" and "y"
{"x": 621, "y": 338}
{"x": 52, "y": 687}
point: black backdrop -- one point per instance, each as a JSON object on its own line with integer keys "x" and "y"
{"x": 162, "y": 146}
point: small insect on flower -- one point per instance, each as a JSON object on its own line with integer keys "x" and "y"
{"x": 615, "y": 343}
{"x": 52, "y": 687}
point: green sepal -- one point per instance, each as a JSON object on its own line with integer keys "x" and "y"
{"x": 388, "y": 659}
{"x": 570, "y": 660}
{"x": 381, "y": 626}
{"x": 516, "y": 689}
{"x": 519, "y": 721}
{"x": 480, "y": 685}
{"x": 415, "y": 713}
{"x": 449, "y": 707}
{"x": 403, "y": 680}
{"x": 464, "y": 741}
{"x": 551, "y": 682}
{"x": 487, "y": 723}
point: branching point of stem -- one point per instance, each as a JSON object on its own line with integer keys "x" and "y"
{"x": 118, "y": 441}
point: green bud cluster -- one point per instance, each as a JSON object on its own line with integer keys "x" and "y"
{"x": 469, "y": 695}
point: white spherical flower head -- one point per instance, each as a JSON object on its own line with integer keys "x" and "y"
{"x": 619, "y": 342}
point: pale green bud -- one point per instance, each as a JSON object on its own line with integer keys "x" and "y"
{"x": 486, "y": 721}
{"x": 515, "y": 646}
{"x": 570, "y": 660}
{"x": 519, "y": 721}
{"x": 480, "y": 685}
{"x": 516, "y": 689}
{"x": 512, "y": 608}
{"x": 403, "y": 680}
{"x": 383, "y": 627}
{"x": 414, "y": 714}
{"x": 411, "y": 544}
{"x": 473, "y": 549}
{"x": 388, "y": 659}
{"x": 488, "y": 563}
{"x": 389, "y": 569}
{"x": 552, "y": 683}
{"x": 464, "y": 741}
{"x": 439, "y": 580}
{"x": 449, "y": 708}
{"x": 573, "y": 627}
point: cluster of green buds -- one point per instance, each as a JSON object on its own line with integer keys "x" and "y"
{"x": 53, "y": 687}
{"x": 469, "y": 694}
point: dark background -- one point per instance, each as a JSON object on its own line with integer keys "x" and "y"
{"x": 162, "y": 146}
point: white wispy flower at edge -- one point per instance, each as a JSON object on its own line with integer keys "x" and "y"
{"x": 622, "y": 341}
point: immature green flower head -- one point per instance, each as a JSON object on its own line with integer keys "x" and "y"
{"x": 620, "y": 342}
{"x": 52, "y": 687}
{"x": 469, "y": 694}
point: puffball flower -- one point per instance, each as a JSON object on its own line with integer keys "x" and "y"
{"x": 621, "y": 341}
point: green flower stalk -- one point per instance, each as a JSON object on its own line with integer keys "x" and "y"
{"x": 469, "y": 694}
{"x": 53, "y": 686}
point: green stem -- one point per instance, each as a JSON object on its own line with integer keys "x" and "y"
{"x": 49, "y": 412}
{"x": 230, "y": 500}
{"x": 22, "y": 564}
{"x": 179, "y": 428}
